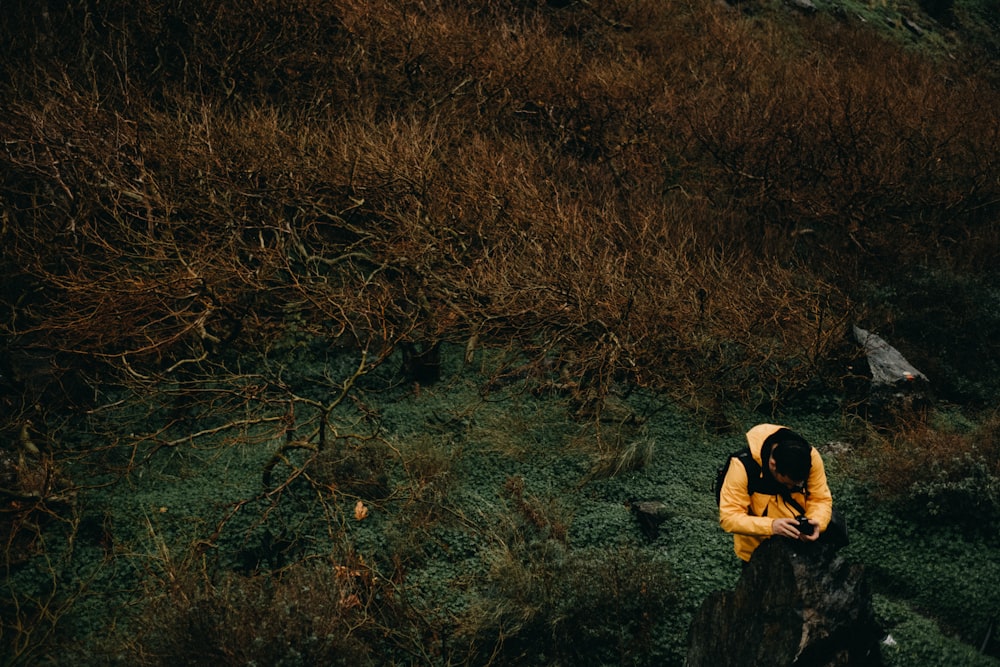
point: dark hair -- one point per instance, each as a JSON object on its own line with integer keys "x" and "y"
{"x": 792, "y": 454}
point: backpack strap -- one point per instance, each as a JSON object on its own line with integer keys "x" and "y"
{"x": 787, "y": 496}
{"x": 756, "y": 483}
{"x": 754, "y": 478}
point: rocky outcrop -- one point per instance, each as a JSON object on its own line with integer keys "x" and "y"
{"x": 793, "y": 605}
{"x": 896, "y": 386}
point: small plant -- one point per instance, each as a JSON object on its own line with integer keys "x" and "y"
{"x": 355, "y": 467}
{"x": 541, "y": 519}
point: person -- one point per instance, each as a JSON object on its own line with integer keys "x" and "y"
{"x": 792, "y": 483}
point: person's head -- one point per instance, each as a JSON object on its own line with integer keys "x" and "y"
{"x": 791, "y": 458}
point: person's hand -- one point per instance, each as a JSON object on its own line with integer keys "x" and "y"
{"x": 785, "y": 528}
{"x": 790, "y": 528}
{"x": 814, "y": 535}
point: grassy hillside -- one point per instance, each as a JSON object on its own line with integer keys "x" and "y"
{"x": 347, "y": 331}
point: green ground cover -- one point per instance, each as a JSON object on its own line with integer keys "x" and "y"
{"x": 498, "y": 528}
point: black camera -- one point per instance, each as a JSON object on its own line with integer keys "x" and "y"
{"x": 804, "y": 526}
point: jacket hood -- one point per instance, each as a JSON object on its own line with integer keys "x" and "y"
{"x": 756, "y": 437}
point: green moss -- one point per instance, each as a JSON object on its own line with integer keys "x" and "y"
{"x": 491, "y": 523}
{"x": 913, "y": 639}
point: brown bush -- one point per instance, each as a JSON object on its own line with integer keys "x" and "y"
{"x": 943, "y": 473}
{"x": 309, "y": 614}
{"x": 523, "y": 173}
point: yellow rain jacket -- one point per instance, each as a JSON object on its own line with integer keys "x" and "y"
{"x": 749, "y": 517}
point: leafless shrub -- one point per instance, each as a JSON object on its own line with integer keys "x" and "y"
{"x": 656, "y": 194}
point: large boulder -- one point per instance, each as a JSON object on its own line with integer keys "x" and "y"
{"x": 794, "y": 604}
{"x": 896, "y": 387}
{"x": 888, "y": 367}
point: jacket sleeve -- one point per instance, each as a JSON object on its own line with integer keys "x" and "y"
{"x": 734, "y": 505}
{"x": 819, "y": 504}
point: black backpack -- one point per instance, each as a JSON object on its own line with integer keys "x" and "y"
{"x": 836, "y": 531}
{"x": 752, "y": 467}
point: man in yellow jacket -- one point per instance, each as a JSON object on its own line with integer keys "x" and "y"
{"x": 791, "y": 482}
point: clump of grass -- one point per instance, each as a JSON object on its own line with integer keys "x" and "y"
{"x": 309, "y": 614}
{"x": 546, "y": 604}
{"x": 422, "y": 490}
{"x": 306, "y": 616}
{"x": 543, "y": 601}
{"x": 633, "y": 455}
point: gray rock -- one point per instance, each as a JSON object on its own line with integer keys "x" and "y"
{"x": 913, "y": 27}
{"x": 887, "y": 365}
{"x": 896, "y": 386}
{"x": 805, "y": 6}
{"x": 650, "y": 514}
{"x": 799, "y": 605}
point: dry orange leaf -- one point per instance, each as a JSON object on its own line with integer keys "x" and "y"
{"x": 360, "y": 511}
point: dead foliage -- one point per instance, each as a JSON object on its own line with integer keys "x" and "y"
{"x": 660, "y": 194}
